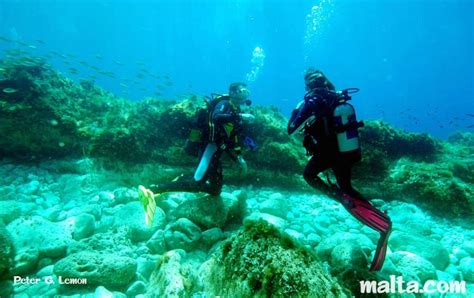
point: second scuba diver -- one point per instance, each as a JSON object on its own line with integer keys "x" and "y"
{"x": 224, "y": 127}
{"x": 331, "y": 139}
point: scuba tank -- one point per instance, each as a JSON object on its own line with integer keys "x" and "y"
{"x": 345, "y": 123}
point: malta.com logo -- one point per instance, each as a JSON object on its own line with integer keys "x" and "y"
{"x": 398, "y": 285}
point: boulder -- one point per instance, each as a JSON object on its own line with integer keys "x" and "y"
{"x": 50, "y": 238}
{"x": 183, "y": 234}
{"x": 84, "y": 226}
{"x": 424, "y": 247}
{"x": 275, "y": 205}
{"x": 9, "y": 210}
{"x": 354, "y": 241}
{"x": 261, "y": 261}
{"x": 167, "y": 279}
{"x": 6, "y": 250}
{"x": 99, "y": 269}
{"x": 131, "y": 216}
{"x": 413, "y": 267}
{"x": 466, "y": 266}
{"x": 212, "y": 211}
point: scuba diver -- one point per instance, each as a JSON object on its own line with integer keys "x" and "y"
{"x": 223, "y": 131}
{"x": 331, "y": 139}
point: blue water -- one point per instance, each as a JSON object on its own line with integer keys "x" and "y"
{"x": 412, "y": 60}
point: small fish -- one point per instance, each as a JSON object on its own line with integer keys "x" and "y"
{"x": 99, "y": 57}
{"x": 124, "y": 85}
{"x": 32, "y": 47}
{"x": 470, "y": 115}
{"x": 9, "y": 90}
{"x": 470, "y": 126}
{"x": 118, "y": 62}
{"x": 39, "y": 41}
{"x": 5, "y": 39}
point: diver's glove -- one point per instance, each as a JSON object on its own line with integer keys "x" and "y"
{"x": 246, "y": 117}
{"x": 242, "y": 163}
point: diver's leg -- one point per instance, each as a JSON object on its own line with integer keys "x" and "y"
{"x": 365, "y": 212}
{"x": 180, "y": 184}
{"x": 316, "y": 165}
{"x": 196, "y": 183}
{"x": 213, "y": 179}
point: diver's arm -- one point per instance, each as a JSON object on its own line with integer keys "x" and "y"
{"x": 223, "y": 113}
{"x": 299, "y": 116}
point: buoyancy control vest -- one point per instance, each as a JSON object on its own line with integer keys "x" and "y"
{"x": 335, "y": 124}
{"x": 202, "y": 127}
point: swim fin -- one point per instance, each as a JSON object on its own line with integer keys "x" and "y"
{"x": 147, "y": 198}
{"x": 380, "y": 252}
{"x": 375, "y": 219}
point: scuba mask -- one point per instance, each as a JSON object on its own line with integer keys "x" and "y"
{"x": 242, "y": 95}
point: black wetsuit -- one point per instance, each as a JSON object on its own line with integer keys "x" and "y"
{"x": 321, "y": 143}
{"x": 226, "y": 126}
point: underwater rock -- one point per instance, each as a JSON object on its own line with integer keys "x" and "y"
{"x": 275, "y": 221}
{"x": 167, "y": 280}
{"x": 102, "y": 292}
{"x": 145, "y": 267}
{"x": 84, "y": 226}
{"x": 313, "y": 239}
{"x": 99, "y": 269}
{"x": 9, "y": 210}
{"x": 50, "y": 238}
{"x": 466, "y": 266}
{"x": 211, "y": 237}
{"x": 156, "y": 243}
{"x": 425, "y": 183}
{"x": 131, "y": 216}
{"x": 26, "y": 261}
{"x": 260, "y": 261}
{"x": 6, "y": 250}
{"x": 211, "y": 211}
{"x": 468, "y": 246}
{"x": 413, "y": 267}
{"x": 424, "y": 247}
{"x": 183, "y": 234}
{"x": 6, "y": 288}
{"x": 115, "y": 241}
{"x": 30, "y": 188}
{"x": 349, "y": 255}
{"x": 326, "y": 247}
{"x": 135, "y": 289}
{"x": 275, "y": 205}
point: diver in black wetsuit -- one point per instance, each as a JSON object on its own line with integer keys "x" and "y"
{"x": 225, "y": 126}
{"x": 331, "y": 139}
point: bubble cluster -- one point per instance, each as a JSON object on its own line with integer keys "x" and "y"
{"x": 318, "y": 16}
{"x": 258, "y": 60}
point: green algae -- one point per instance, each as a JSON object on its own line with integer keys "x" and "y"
{"x": 261, "y": 261}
